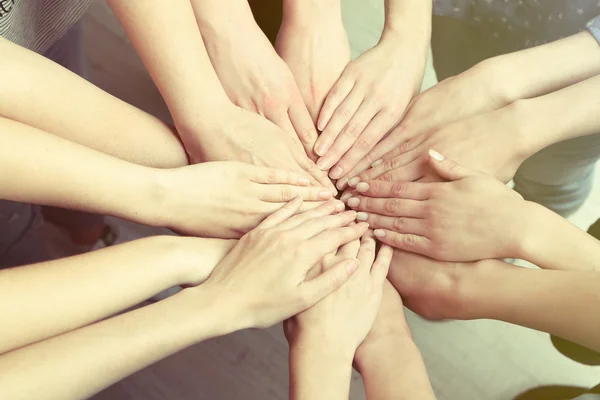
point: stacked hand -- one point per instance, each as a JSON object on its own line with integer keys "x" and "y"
{"x": 264, "y": 277}
{"x": 226, "y": 199}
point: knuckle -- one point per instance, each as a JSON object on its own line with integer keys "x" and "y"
{"x": 399, "y": 223}
{"x": 387, "y": 177}
{"x": 345, "y": 112}
{"x": 287, "y": 194}
{"x": 391, "y": 205}
{"x": 353, "y": 131}
{"x": 409, "y": 241}
{"x": 405, "y": 147}
{"x": 363, "y": 145}
{"x": 398, "y": 189}
{"x": 271, "y": 176}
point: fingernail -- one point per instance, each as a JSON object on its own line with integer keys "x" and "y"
{"x": 362, "y": 216}
{"x": 336, "y": 173}
{"x": 351, "y": 265}
{"x": 362, "y": 187}
{"x": 353, "y": 202}
{"x": 340, "y": 184}
{"x": 303, "y": 181}
{"x": 354, "y": 181}
{"x": 339, "y": 206}
{"x": 334, "y": 192}
{"x": 321, "y": 149}
{"x": 435, "y": 155}
{"x": 377, "y": 163}
{"x": 379, "y": 233}
{"x": 345, "y": 197}
{"x": 324, "y": 194}
{"x": 323, "y": 164}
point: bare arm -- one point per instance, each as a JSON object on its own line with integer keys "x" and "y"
{"x": 543, "y": 69}
{"x": 388, "y": 360}
{"x": 42, "y": 94}
{"x": 110, "y": 350}
{"x": 170, "y": 44}
{"x": 92, "y": 286}
{"x": 562, "y": 303}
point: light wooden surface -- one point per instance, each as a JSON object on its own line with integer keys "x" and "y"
{"x": 476, "y": 360}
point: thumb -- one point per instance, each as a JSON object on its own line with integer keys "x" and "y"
{"x": 329, "y": 281}
{"x": 448, "y": 169}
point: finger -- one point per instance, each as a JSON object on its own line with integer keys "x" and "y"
{"x": 373, "y": 158}
{"x": 337, "y": 94}
{"x": 328, "y": 208}
{"x": 277, "y": 176}
{"x": 283, "y": 193}
{"x": 399, "y": 189}
{"x": 349, "y": 250}
{"x": 314, "y": 226}
{"x": 282, "y": 214}
{"x": 391, "y": 207}
{"x": 331, "y": 240}
{"x": 310, "y": 205}
{"x": 304, "y": 127}
{"x": 315, "y": 172}
{"x": 347, "y": 194}
{"x": 448, "y": 169}
{"x": 381, "y": 266}
{"x": 366, "y": 253}
{"x": 369, "y": 137}
{"x": 396, "y": 224}
{"x": 328, "y": 282}
{"x": 407, "y": 242}
{"x": 388, "y": 165}
{"x": 339, "y": 120}
{"x": 349, "y": 134}
{"x": 410, "y": 173}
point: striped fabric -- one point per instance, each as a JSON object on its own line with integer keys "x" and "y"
{"x": 38, "y": 24}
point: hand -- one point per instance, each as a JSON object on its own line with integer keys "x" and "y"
{"x": 198, "y": 257}
{"x": 256, "y": 79}
{"x": 472, "y": 217}
{"x": 344, "y": 318}
{"x": 366, "y": 102}
{"x": 239, "y": 135}
{"x": 438, "y": 290}
{"x": 476, "y": 91}
{"x": 316, "y": 50}
{"x": 495, "y": 143}
{"x": 226, "y": 199}
{"x": 263, "y": 278}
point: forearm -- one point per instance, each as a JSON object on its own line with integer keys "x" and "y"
{"x": 544, "y": 69}
{"x": 552, "y": 242}
{"x": 410, "y": 22}
{"x": 110, "y": 350}
{"x": 42, "y": 300}
{"x": 44, "y": 169}
{"x": 562, "y": 303}
{"x": 393, "y": 369}
{"x": 42, "y": 94}
{"x": 170, "y": 44}
{"x": 319, "y": 371}
{"x": 304, "y": 12}
{"x": 553, "y": 118}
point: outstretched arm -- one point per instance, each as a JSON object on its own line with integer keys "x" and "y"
{"x": 42, "y": 94}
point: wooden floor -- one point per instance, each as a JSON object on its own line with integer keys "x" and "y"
{"x": 478, "y": 360}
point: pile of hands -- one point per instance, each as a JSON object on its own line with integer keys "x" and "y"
{"x": 305, "y": 122}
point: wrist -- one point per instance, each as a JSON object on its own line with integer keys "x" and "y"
{"x": 330, "y": 349}
{"x": 372, "y": 352}
{"x": 308, "y": 14}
